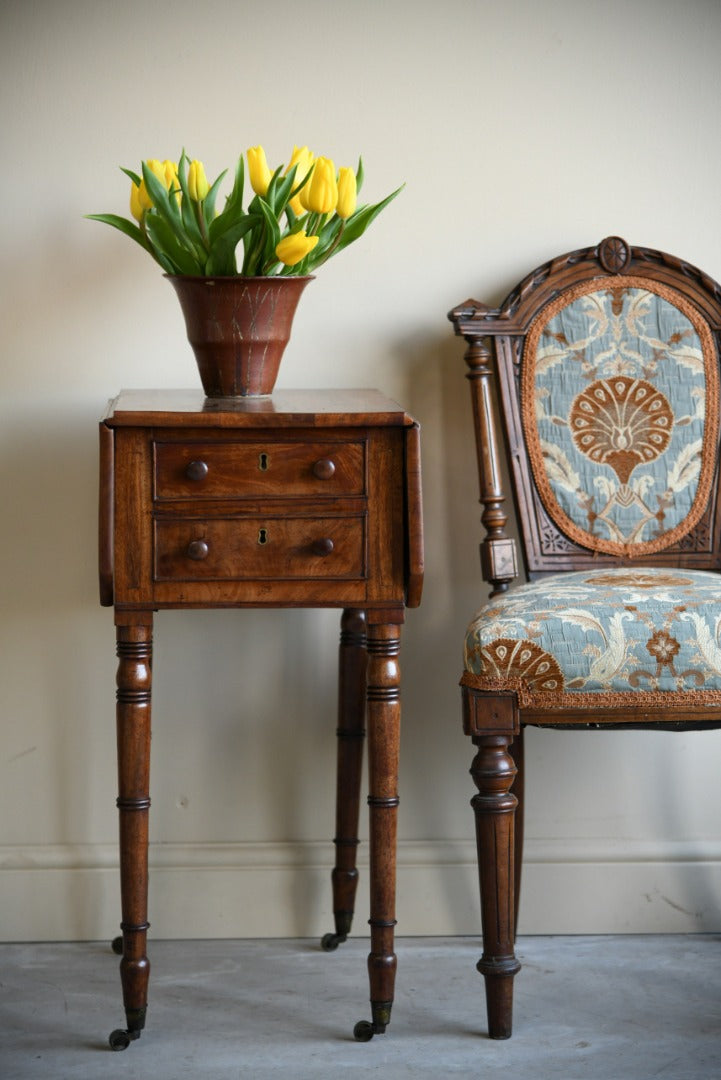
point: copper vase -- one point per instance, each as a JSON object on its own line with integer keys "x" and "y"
{"x": 238, "y": 328}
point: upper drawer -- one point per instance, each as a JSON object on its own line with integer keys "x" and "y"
{"x": 218, "y": 470}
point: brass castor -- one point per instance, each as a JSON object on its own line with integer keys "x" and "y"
{"x": 120, "y": 1039}
{"x": 330, "y": 942}
{"x": 363, "y": 1031}
{"x": 366, "y": 1029}
{"x": 117, "y": 946}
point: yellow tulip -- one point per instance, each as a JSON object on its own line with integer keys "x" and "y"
{"x": 136, "y": 206}
{"x": 303, "y": 160}
{"x": 156, "y": 169}
{"x": 198, "y": 186}
{"x": 170, "y": 174}
{"x": 347, "y": 193}
{"x": 295, "y": 247}
{"x": 320, "y": 194}
{"x": 260, "y": 174}
{"x": 170, "y": 178}
{"x": 141, "y": 196}
{"x": 144, "y": 197}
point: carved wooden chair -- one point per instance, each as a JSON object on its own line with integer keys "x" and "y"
{"x": 606, "y": 362}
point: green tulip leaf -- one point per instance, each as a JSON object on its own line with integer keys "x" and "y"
{"x": 233, "y": 208}
{"x": 281, "y": 191}
{"x": 272, "y": 232}
{"x": 166, "y": 205}
{"x": 124, "y": 226}
{"x": 166, "y": 243}
{"x": 209, "y": 200}
{"x": 190, "y": 226}
{"x": 133, "y": 175}
{"x": 299, "y": 187}
{"x": 357, "y": 224}
{"x": 360, "y": 175}
{"x": 221, "y": 260}
{"x": 329, "y": 239}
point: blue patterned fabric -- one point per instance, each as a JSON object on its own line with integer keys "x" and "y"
{"x": 617, "y": 381}
{"x": 602, "y": 638}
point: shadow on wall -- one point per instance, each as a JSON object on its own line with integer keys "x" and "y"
{"x": 434, "y": 782}
{"x": 49, "y": 480}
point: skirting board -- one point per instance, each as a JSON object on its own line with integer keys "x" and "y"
{"x": 217, "y": 890}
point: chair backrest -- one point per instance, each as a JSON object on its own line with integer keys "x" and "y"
{"x": 607, "y": 366}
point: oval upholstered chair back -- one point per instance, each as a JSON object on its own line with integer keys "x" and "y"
{"x": 608, "y": 365}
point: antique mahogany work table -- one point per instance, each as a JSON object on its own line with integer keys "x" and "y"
{"x": 304, "y": 499}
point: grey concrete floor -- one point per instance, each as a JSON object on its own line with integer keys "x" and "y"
{"x": 587, "y": 1008}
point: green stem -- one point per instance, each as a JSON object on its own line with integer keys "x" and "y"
{"x": 202, "y": 226}
{"x": 324, "y": 258}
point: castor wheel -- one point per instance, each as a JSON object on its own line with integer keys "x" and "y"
{"x": 363, "y": 1031}
{"x": 119, "y": 1039}
{"x": 117, "y": 946}
{"x": 330, "y": 942}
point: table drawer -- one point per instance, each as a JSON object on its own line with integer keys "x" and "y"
{"x": 270, "y": 468}
{"x": 257, "y": 548}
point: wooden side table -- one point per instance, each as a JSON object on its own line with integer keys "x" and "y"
{"x": 303, "y": 499}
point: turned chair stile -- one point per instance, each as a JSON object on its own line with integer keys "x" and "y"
{"x": 605, "y": 362}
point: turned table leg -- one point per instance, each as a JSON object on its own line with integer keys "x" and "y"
{"x": 352, "y": 667}
{"x": 384, "y": 711}
{"x": 134, "y": 646}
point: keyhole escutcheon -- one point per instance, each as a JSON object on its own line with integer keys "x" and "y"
{"x": 263, "y": 536}
{"x": 263, "y": 462}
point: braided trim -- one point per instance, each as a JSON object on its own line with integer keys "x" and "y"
{"x": 590, "y": 699}
{"x": 711, "y": 419}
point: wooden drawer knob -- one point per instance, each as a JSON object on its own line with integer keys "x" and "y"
{"x": 198, "y": 550}
{"x": 196, "y": 470}
{"x": 323, "y": 469}
{"x": 323, "y": 547}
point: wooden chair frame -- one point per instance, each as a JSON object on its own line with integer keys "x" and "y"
{"x": 494, "y": 720}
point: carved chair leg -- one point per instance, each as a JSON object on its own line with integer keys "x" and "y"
{"x": 383, "y": 756}
{"x": 493, "y": 771}
{"x": 516, "y": 751}
{"x": 134, "y": 647}
{"x": 352, "y": 668}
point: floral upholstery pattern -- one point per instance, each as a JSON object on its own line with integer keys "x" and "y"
{"x": 602, "y": 638}
{"x": 620, "y": 410}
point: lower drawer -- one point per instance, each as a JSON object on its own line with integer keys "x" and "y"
{"x": 260, "y": 548}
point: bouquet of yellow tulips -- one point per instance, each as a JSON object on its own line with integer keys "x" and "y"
{"x": 298, "y": 216}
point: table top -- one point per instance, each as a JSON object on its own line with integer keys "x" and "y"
{"x": 292, "y": 408}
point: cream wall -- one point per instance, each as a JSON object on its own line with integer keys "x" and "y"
{"x": 523, "y": 130}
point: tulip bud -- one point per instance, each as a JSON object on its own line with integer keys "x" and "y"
{"x": 295, "y": 247}
{"x": 347, "y": 193}
{"x": 156, "y": 169}
{"x": 170, "y": 178}
{"x": 260, "y": 174}
{"x": 198, "y": 186}
{"x": 320, "y": 194}
{"x": 303, "y": 160}
{"x": 142, "y": 193}
{"x": 136, "y": 207}
{"x": 170, "y": 174}
{"x": 144, "y": 199}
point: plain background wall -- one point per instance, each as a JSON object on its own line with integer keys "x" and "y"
{"x": 523, "y": 130}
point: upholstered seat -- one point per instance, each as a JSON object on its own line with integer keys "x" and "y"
{"x": 602, "y": 638}
{"x": 606, "y": 366}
